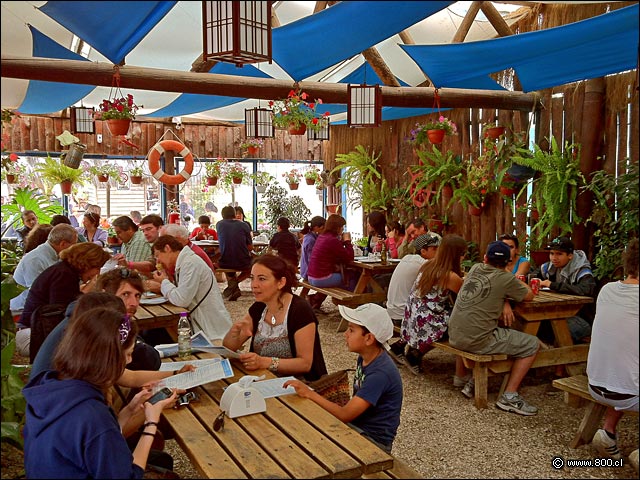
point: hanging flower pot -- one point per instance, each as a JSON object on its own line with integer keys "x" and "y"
{"x": 310, "y": 181}
{"x": 253, "y": 150}
{"x": 297, "y": 130}
{"x": 436, "y": 225}
{"x": 103, "y": 178}
{"x": 332, "y": 207}
{"x": 236, "y": 180}
{"x": 11, "y": 178}
{"x": 174, "y": 217}
{"x": 212, "y": 181}
{"x": 436, "y": 136}
{"x": 119, "y": 126}
{"x": 447, "y": 192}
{"x": 293, "y": 186}
{"x": 507, "y": 191}
{"x": 494, "y": 132}
{"x": 475, "y": 211}
{"x": 136, "y": 179}
{"x": 65, "y": 187}
{"x": 261, "y": 188}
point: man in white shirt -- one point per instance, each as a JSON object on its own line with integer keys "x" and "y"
{"x": 402, "y": 280}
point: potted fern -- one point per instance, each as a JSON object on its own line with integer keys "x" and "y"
{"x": 55, "y": 172}
{"x": 438, "y": 172}
{"x": 361, "y": 177}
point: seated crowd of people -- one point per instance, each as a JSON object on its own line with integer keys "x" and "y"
{"x": 97, "y": 345}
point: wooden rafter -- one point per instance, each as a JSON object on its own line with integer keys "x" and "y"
{"x": 466, "y": 23}
{"x": 162, "y": 80}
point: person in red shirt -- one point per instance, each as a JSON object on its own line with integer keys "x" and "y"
{"x": 329, "y": 252}
{"x": 204, "y": 231}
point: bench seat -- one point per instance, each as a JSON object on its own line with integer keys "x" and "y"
{"x": 399, "y": 470}
{"x": 576, "y": 392}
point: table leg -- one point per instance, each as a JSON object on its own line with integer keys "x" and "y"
{"x": 563, "y": 339}
{"x": 589, "y": 424}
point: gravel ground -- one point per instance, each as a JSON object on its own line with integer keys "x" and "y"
{"x": 442, "y": 435}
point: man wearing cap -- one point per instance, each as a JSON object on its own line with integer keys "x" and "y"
{"x": 374, "y": 409}
{"x": 402, "y": 280}
{"x": 473, "y": 324}
{"x": 568, "y": 271}
{"x": 416, "y": 228}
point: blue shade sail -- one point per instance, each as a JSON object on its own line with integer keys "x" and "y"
{"x": 311, "y": 44}
{"x": 112, "y": 28}
{"x": 48, "y": 97}
{"x": 592, "y": 48}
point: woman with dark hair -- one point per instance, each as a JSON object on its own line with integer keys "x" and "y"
{"x": 70, "y": 428}
{"x": 431, "y": 300}
{"x": 286, "y": 243}
{"x": 311, "y": 230}
{"x": 37, "y": 236}
{"x": 331, "y": 253}
{"x": 517, "y": 265}
{"x": 91, "y": 229}
{"x": 241, "y": 216}
{"x": 395, "y": 236}
{"x": 282, "y": 326}
{"x": 376, "y": 223}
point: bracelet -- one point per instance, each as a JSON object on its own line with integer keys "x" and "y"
{"x": 275, "y": 363}
{"x": 149, "y": 424}
{"x": 147, "y": 433}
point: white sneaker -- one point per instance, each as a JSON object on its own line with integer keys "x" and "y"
{"x": 605, "y": 445}
{"x": 460, "y": 382}
{"x": 633, "y": 459}
{"x": 469, "y": 388}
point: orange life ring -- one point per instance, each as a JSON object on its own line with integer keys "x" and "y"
{"x": 154, "y": 162}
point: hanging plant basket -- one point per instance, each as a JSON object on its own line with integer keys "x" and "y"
{"x": 261, "y": 188}
{"x": 494, "y": 132}
{"x": 73, "y": 156}
{"x": 436, "y": 136}
{"x": 212, "y": 181}
{"x": 297, "y": 130}
{"x": 436, "y": 225}
{"x": 236, "y": 180}
{"x": 174, "y": 217}
{"x": 332, "y": 207}
{"x": 103, "y": 178}
{"x": 253, "y": 151}
{"x": 293, "y": 186}
{"x": 136, "y": 179}
{"x": 11, "y": 178}
{"x": 507, "y": 191}
{"x": 475, "y": 211}
{"x": 310, "y": 181}
{"x": 119, "y": 126}
{"x": 65, "y": 187}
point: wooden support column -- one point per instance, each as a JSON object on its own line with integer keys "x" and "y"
{"x": 592, "y": 126}
{"x": 467, "y": 21}
{"x": 379, "y": 66}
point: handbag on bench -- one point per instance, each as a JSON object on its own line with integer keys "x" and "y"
{"x": 335, "y": 386}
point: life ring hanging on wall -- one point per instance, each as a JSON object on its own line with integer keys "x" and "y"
{"x": 154, "y": 162}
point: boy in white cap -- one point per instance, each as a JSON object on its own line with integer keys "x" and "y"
{"x": 374, "y": 409}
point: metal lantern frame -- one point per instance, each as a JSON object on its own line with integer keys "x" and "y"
{"x": 258, "y": 123}
{"x": 82, "y": 120}
{"x": 322, "y": 133}
{"x": 237, "y": 32}
{"x": 364, "y": 106}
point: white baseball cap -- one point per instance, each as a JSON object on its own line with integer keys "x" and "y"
{"x": 372, "y": 316}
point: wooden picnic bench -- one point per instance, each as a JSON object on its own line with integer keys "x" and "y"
{"x": 576, "y": 394}
{"x": 399, "y": 470}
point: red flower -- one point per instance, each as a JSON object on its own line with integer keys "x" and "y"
{"x": 271, "y": 103}
{"x": 312, "y": 105}
{"x": 304, "y": 95}
{"x": 291, "y": 93}
{"x": 326, "y": 114}
{"x": 314, "y": 121}
{"x": 13, "y": 157}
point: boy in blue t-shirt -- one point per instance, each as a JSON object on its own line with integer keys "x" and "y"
{"x": 374, "y": 409}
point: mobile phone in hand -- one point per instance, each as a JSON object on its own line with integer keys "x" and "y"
{"x": 160, "y": 395}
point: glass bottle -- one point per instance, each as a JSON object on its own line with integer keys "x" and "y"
{"x": 184, "y": 335}
{"x": 383, "y": 252}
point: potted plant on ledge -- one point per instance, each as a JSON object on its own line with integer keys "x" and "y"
{"x": 252, "y": 145}
{"x": 118, "y": 113}
{"x": 295, "y": 113}
{"x": 293, "y": 177}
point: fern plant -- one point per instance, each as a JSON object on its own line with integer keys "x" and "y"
{"x": 362, "y": 178}
{"x": 555, "y": 189}
{"x": 437, "y": 170}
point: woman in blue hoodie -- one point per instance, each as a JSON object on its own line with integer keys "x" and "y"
{"x": 70, "y": 430}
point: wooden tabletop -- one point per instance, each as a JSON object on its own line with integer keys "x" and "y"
{"x": 375, "y": 267}
{"x": 549, "y": 305}
{"x": 164, "y": 315}
{"x": 294, "y": 438}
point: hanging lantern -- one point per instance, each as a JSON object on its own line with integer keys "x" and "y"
{"x": 82, "y": 120}
{"x": 322, "y": 133}
{"x": 257, "y": 123}
{"x": 236, "y": 31}
{"x": 364, "y": 106}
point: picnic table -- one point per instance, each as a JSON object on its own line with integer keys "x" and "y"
{"x": 293, "y": 438}
{"x": 164, "y": 316}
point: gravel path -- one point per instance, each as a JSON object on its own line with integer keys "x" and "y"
{"x": 442, "y": 435}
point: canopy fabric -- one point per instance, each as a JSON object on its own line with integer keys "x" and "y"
{"x": 93, "y": 22}
{"x": 311, "y": 44}
{"x": 588, "y": 49}
{"x": 49, "y": 97}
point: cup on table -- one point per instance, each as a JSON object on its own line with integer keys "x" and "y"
{"x": 346, "y": 236}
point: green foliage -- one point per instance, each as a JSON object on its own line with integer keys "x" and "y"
{"x": 362, "y": 178}
{"x": 555, "y": 189}
{"x": 437, "y": 170}
{"x": 471, "y": 257}
{"x": 28, "y": 199}
{"x": 278, "y": 204}
{"x": 13, "y": 402}
{"x": 615, "y": 214}
{"x": 54, "y": 172}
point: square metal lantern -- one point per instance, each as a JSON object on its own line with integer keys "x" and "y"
{"x": 236, "y": 31}
{"x": 322, "y": 133}
{"x": 364, "y": 108}
{"x": 82, "y": 120}
{"x": 258, "y": 123}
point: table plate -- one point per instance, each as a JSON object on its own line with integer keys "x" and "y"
{"x": 395, "y": 260}
{"x": 369, "y": 260}
{"x": 152, "y": 301}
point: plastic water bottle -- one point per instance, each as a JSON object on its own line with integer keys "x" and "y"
{"x": 184, "y": 335}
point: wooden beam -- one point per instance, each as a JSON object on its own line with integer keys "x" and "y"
{"x": 162, "y": 80}
{"x": 379, "y": 66}
{"x": 406, "y": 38}
{"x": 466, "y": 23}
{"x": 496, "y": 20}
{"x": 320, "y": 5}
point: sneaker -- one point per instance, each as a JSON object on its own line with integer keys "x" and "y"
{"x": 605, "y": 445}
{"x": 227, "y": 291}
{"x": 517, "y": 405}
{"x": 397, "y": 353}
{"x": 633, "y": 459}
{"x": 235, "y": 295}
{"x": 415, "y": 369}
{"x": 469, "y": 388}
{"x": 460, "y": 382}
